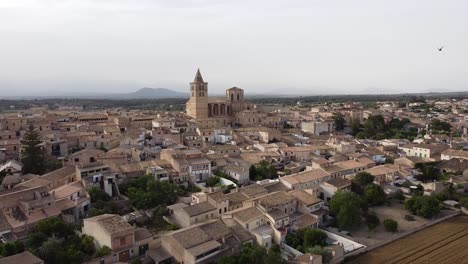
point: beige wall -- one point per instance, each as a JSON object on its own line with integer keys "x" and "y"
{"x": 93, "y": 229}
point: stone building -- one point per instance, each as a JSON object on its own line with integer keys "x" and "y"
{"x": 214, "y": 111}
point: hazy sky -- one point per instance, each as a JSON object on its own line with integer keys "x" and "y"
{"x": 288, "y": 46}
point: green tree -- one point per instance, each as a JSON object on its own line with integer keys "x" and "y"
{"x": 428, "y": 173}
{"x": 52, "y": 251}
{"x": 252, "y": 172}
{"x": 146, "y": 192}
{"x": 32, "y": 155}
{"x": 423, "y": 205}
{"x": 55, "y": 241}
{"x": 390, "y": 225}
{"x": 103, "y": 251}
{"x": 87, "y": 244}
{"x": 440, "y": 126}
{"x": 339, "y": 121}
{"x": 374, "y": 125}
{"x": 464, "y": 202}
{"x": 54, "y": 227}
{"x": 372, "y": 220}
{"x": 98, "y": 195}
{"x": 314, "y": 237}
{"x": 213, "y": 181}
{"x": 326, "y": 254}
{"x": 287, "y": 126}
{"x": 253, "y": 254}
{"x": 11, "y": 248}
{"x": 347, "y": 207}
{"x": 374, "y": 194}
{"x": 262, "y": 171}
{"x": 356, "y": 127}
{"x": 360, "y": 180}
{"x": 227, "y": 260}
{"x": 305, "y": 238}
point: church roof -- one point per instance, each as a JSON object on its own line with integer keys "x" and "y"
{"x": 198, "y": 77}
{"x": 235, "y": 88}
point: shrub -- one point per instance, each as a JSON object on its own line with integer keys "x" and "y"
{"x": 390, "y": 225}
{"x": 372, "y": 220}
{"x": 103, "y": 251}
{"x": 425, "y": 206}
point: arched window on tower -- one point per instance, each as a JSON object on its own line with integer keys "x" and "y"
{"x": 199, "y": 93}
{"x": 238, "y": 96}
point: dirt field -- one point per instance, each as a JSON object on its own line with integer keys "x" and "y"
{"x": 443, "y": 243}
{"x": 396, "y": 212}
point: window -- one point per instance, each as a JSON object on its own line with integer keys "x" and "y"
{"x": 122, "y": 241}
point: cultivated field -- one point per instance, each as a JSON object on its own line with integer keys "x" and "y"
{"x": 442, "y": 243}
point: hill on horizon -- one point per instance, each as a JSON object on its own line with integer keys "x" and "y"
{"x": 152, "y": 93}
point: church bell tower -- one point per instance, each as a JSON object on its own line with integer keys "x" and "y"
{"x": 197, "y": 105}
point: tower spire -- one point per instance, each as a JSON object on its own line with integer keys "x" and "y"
{"x": 198, "y": 77}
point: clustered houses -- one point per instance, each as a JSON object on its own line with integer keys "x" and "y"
{"x": 221, "y": 137}
{"x": 59, "y": 193}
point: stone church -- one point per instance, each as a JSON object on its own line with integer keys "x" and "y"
{"x": 214, "y": 111}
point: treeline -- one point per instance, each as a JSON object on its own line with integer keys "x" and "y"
{"x": 96, "y": 104}
{"x": 375, "y": 127}
{"x": 359, "y": 98}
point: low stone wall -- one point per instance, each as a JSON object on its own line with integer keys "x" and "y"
{"x": 383, "y": 243}
{"x": 465, "y": 211}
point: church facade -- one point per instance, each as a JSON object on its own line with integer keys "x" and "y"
{"x": 214, "y": 111}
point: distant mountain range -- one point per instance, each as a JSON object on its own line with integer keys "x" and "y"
{"x": 149, "y": 93}
{"x": 143, "y": 93}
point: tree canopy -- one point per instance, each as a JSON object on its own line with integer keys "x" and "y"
{"x": 347, "y": 207}
{"x": 439, "y": 126}
{"x": 145, "y": 192}
{"x": 360, "y": 180}
{"x": 254, "y": 254}
{"x": 428, "y": 172}
{"x": 55, "y": 241}
{"x": 11, "y": 248}
{"x": 374, "y": 194}
{"x": 423, "y": 205}
{"x": 372, "y": 220}
{"x": 375, "y": 127}
{"x": 262, "y": 171}
{"x": 305, "y": 238}
{"x": 32, "y": 157}
{"x": 339, "y": 121}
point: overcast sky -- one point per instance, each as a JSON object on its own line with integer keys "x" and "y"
{"x": 284, "y": 46}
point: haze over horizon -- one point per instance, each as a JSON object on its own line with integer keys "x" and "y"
{"x": 284, "y": 47}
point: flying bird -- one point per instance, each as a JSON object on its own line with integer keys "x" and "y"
{"x": 440, "y": 49}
